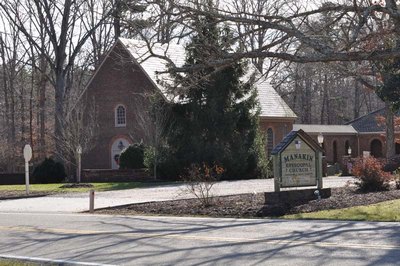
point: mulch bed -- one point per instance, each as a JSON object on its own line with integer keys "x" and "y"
{"x": 77, "y": 185}
{"x": 252, "y": 205}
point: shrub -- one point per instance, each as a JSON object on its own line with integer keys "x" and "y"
{"x": 149, "y": 161}
{"x": 199, "y": 180}
{"x": 370, "y": 174}
{"x": 397, "y": 178}
{"x": 263, "y": 167}
{"x": 168, "y": 167}
{"x": 49, "y": 171}
{"x": 149, "y": 156}
{"x": 132, "y": 157}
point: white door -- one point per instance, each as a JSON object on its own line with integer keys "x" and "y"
{"x": 116, "y": 148}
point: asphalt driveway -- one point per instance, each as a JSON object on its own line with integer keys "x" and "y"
{"x": 79, "y": 202}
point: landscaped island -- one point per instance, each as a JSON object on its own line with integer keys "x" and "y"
{"x": 254, "y": 206}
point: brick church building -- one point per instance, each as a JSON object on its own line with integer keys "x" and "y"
{"x": 127, "y": 73}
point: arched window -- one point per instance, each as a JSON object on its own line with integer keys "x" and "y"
{"x": 117, "y": 146}
{"x": 335, "y": 155}
{"x": 376, "y": 148}
{"x": 120, "y": 116}
{"x": 346, "y": 147}
{"x": 397, "y": 148}
{"x": 270, "y": 141}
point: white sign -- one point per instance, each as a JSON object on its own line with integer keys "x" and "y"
{"x": 27, "y": 153}
{"x": 298, "y": 164}
{"x": 27, "y": 157}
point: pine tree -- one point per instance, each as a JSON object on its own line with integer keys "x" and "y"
{"x": 217, "y": 119}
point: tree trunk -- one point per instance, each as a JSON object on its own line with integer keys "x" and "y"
{"x": 390, "y": 138}
{"x": 356, "y": 107}
{"x": 22, "y": 110}
{"x": 59, "y": 113}
{"x": 117, "y": 19}
{"x": 31, "y": 107}
{"x": 42, "y": 107}
{"x": 306, "y": 99}
{"x": 324, "y": 100}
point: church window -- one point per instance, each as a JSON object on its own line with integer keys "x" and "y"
{"x": 120, "y": 116}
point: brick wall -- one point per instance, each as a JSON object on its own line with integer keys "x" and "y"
{"x": 12, "y": 179}
{"x": 340, "y": 141}
{"x": 280, "y": 127}
{"x": 118, "y": 81}
{"x": 108, "y": 175}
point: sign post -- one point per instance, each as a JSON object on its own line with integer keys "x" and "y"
{"x": 78, "y": 170}
{"x": 27, "y": 157}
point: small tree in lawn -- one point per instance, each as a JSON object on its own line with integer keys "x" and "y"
{"x": 153, "y": 118}
{"x": 81, "y": 127}
{"x": 200, "y": 179}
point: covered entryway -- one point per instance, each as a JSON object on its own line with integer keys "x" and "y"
{"x": 116, "y": 148}
{"x": 376, "y": 148}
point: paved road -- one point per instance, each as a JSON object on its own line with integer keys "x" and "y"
{"x": 121, "y": 240}
{"x": 80, "y": 202}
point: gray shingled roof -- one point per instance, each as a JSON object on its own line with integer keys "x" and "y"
{"x": 291, "y": 136}
{"x": 326, "y": 129}
{"x": 272, "y": 105}
{"x": 153, "y": 65}
{"x": 368, "y": 123}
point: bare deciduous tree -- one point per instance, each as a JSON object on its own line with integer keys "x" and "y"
{"x": 80, "y": 130}
{"x": 66, "y": 33}
{"x": 282, "y": 30}
{"x": 153, "y": 118}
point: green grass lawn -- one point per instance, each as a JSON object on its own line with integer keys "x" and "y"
{"x": 55, "y": 188}
{"x": 387, "y": 211}
{"x": 7, "y": 262}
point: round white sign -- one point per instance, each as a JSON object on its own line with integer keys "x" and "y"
{"x": 27, "y": 153}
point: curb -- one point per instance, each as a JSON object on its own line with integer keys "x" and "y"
{"x": 23, "y": 197}
{"x": 44, "y": 261}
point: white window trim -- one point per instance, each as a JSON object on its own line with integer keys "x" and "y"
{"x": 116, "y": 116}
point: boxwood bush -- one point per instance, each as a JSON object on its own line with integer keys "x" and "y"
{"x": 132, "y": 157}
{"x": 49, "y": 171}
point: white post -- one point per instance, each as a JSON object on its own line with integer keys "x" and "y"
{"x": 277, "y": 177}
{"x": 79, "y": 169}
{"x": 78, "y": 174}
{"x": 319, "y": 171}
{"x": 27, "y": 177}
{"x": 27, "y": 157}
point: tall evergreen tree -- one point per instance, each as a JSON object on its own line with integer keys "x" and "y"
{"x": 389, "y": 92}
{"x": 217, "y": 119}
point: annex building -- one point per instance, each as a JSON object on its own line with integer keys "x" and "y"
{"x": 127, "y": 74}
